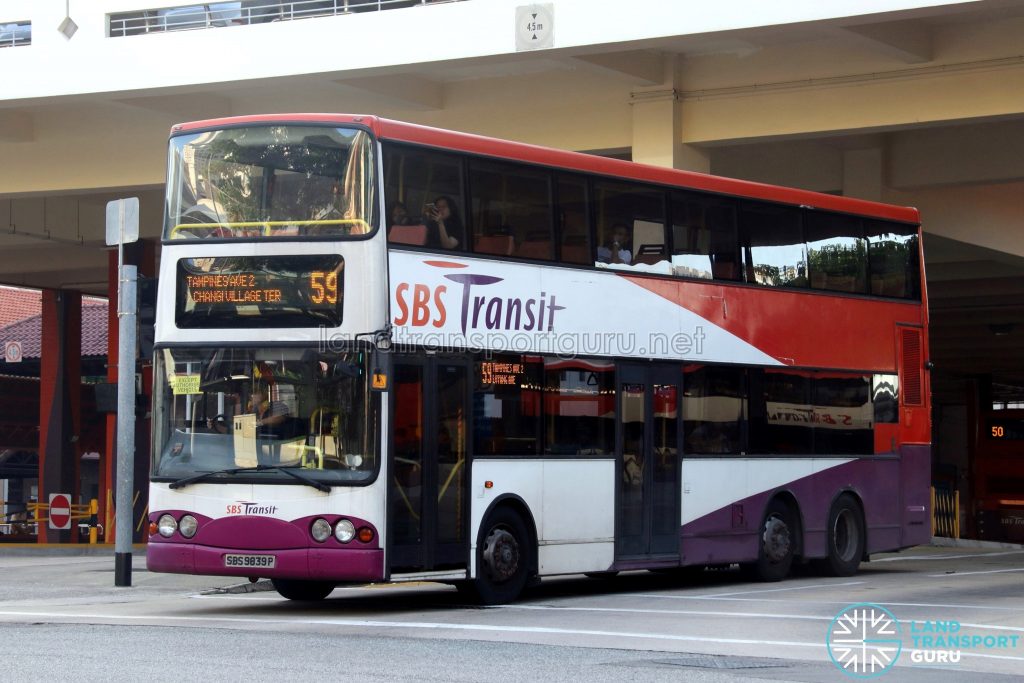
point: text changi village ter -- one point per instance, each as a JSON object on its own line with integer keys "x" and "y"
{"x": 220, "y": 289}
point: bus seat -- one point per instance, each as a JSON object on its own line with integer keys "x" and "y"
{"x": 535, "y": 249}
{"x": 650, "y": 254}
{"x": 500, "y": 245}
{"x": 408, "y": 234}
{"x": 725, "y": 270}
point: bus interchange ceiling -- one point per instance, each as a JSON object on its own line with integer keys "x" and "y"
{"x": 951, "y": 142}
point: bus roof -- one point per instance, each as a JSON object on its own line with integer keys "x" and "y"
{"x": 388, "y": 129}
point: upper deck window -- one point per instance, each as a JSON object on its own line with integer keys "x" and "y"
{"x": 270, "y": 181}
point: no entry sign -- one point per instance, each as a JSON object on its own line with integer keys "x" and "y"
{"x": 60, "y": 511}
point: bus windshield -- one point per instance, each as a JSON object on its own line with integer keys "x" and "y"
{"x": 231, "y": 408}
{"x": 270, "y": 181}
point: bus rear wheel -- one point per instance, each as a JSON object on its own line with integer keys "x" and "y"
{"x": 846, "y": 538}
{"x": 776, "y": 544}
{"x": 306, "y": 591}
{"x": 504, "y": 558}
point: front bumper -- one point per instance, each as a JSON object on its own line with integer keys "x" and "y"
{"x": 321, "y": 564}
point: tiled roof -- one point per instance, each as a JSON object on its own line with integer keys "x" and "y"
{"x": 29, "y": 332}
{"x": 17, "y": 304}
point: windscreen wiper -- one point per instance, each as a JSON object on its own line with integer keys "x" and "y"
{"x": 290, "y": 471}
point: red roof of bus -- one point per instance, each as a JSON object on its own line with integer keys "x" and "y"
{"x": 477, "y": 144}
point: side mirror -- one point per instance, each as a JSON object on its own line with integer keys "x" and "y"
{"x": 380, "y": 369}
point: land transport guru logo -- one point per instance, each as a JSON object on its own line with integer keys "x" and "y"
{"x": 864, "y": 640}
{"x": 420, "y": 305}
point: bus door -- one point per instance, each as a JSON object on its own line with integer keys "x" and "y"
{"x": 647, "y": 501}
{"x": 427, "y": 467}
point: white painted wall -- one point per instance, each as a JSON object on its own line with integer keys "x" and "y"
{"x": 91, "y": 63}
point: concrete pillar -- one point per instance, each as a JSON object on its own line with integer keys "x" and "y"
{"x": 60, "y": 381}
{"x": 864, "y": 173}
{"x": 658, "y": 126}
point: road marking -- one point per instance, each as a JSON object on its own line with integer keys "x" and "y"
{"x": 990, "y": 571}
{"x": 237, "y": 596}
{"x": 745, "y": 615}
{"x": 416, "y": 625}
{"x": 439, "y": 626}
{"x": 884, "y": 603}
{"x": 779, "y": 590}
{"x": 699, "y": 613}
{"x": 918, "y": 558}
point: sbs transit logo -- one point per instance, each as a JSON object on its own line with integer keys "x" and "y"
{"x": 864, "y": 640}
{"x": 420, "y": 305}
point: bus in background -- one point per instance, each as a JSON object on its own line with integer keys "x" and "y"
{"x": 998, "y": 474}
{"x": 386, "y": 352}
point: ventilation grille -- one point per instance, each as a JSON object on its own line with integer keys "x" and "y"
{"x": 912, "y": 367}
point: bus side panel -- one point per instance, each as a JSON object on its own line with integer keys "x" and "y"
{"x": 578, "y": 533}
{"x": 512, "y": 478}
{"x": 721, "y": 516}
{"x": 915, "y": 473}
{"x": 575, "y": 534}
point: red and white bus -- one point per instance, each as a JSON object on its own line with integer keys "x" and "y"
{"x": 386, "y": 352}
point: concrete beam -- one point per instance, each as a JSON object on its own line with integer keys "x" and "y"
{"x": 638, "y": 67}
{"x": 908, "y": 41}
{"x": 864, "y": 173}
{"x": 16, "y": 126}
{"x": 983, "y": 215}
{"x": 189, "y": 107}
{"x": 870, "y": 102}
{"x": 411, "y": 92}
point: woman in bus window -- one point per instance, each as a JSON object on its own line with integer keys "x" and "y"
{"x": 443, "y": 223}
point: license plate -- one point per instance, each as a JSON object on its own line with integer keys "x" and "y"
{"x": 247, "y": 561}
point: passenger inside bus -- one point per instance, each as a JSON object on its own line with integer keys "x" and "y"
{"x": 398, "y": 214}
{"x": 616, "y": 247}
{"x": 443, "y": 223}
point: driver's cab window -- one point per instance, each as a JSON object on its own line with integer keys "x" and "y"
{"x": 221, "y": 409}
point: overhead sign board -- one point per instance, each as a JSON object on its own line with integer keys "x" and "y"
{"x": 122, "y": 221}
{"x": 535, "y": 26}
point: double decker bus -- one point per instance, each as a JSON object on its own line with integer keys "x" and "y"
{"x": 386, "y": 352}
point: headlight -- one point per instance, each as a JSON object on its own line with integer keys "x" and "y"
{"x": 321, "y": 530}
{"x": 344, "y": 531}
{"x": 166, "y": 525}
{"x": 187, "y": 526}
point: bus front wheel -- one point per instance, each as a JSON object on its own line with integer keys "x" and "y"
{"x": 503, "y": 558}
{"x": 307, "y": 591}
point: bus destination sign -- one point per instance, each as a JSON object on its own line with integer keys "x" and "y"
{"x": 493, "y": 373}
{"x": 259, "y": 291}
{"x": 1006, "y": 429}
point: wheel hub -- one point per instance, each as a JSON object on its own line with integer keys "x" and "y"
{"x": 777, "y": 540}
{"x": 845, "y": 536}
{"x": 501, "y": 555}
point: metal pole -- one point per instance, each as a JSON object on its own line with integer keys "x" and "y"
{"x": 125, "y": 425}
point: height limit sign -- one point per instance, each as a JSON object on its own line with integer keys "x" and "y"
{"x": 535, "y": 27}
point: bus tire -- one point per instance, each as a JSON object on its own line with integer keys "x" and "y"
{"x": 504, "y": 557}
{"x": 776, "y": 543}
{"x": 846, "y": 538}
{"x": 306, "y": 591}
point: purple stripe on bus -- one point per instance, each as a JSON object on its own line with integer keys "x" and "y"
{"x": 895, "y": 517}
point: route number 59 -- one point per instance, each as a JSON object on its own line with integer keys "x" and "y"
{"x": 323, "y": 287}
